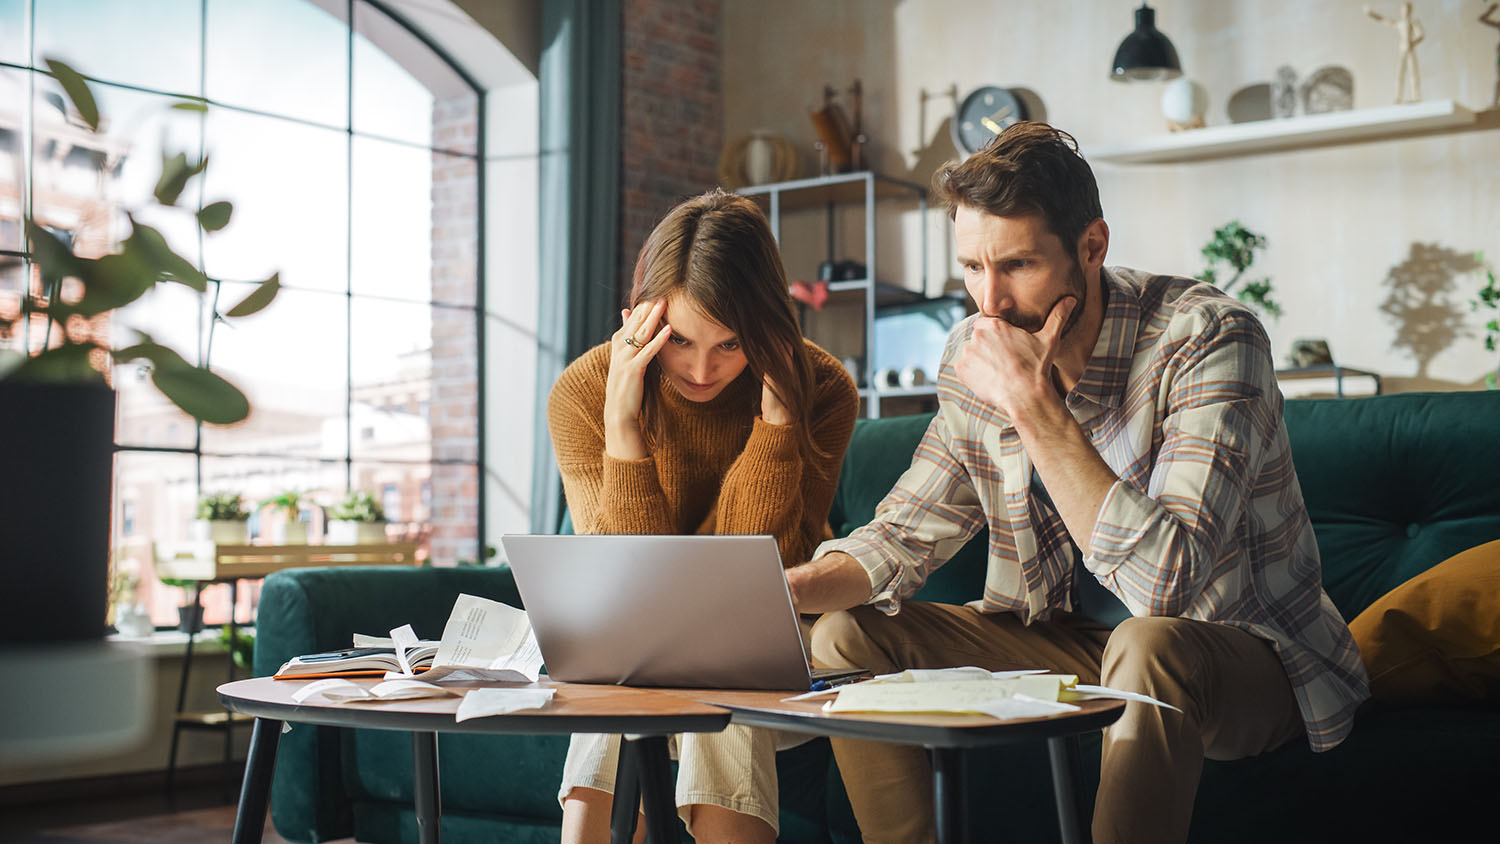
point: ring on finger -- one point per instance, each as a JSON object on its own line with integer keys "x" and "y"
{"x": 630, "y": 341}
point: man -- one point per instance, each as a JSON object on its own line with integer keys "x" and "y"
{"x": 1120, "y": 434}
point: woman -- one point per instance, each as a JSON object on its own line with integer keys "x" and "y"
{"x": 706, "y": 413}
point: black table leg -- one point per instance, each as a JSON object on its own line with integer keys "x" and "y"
{"x": 1067, "y": 785}
{"x": 425, "y": 785}
{"x": 255, "y": 791}
{"x": 623, "y": 812}
{"x": 655, "y": 770}
{"x": 948, "y": 783}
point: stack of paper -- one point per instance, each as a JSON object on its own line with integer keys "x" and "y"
{"x": 1000, "y": 694}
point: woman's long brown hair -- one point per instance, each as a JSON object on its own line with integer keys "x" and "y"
{"x": 717, "y": 250}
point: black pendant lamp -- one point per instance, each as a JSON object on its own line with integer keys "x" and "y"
{"x": 1145, "y": 54}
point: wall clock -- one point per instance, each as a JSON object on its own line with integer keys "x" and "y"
{"x": 983, "y": 114}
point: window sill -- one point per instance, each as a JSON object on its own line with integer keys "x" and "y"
{"x": 170, "y": 643}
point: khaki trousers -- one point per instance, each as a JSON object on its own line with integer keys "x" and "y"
{"x": 1230, "y": 686}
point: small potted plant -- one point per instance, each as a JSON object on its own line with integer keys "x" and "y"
{"x": 357, "y": 520}
{"x": 190, "y": 614}
{"x": 221, "y": 518}
{"x": 290, "y": 530}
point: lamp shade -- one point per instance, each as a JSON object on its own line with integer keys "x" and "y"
{"x": 1145, "y": 54}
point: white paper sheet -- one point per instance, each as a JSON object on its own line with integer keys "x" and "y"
{"x": 479, "y": 703}
{"x": 343, "y": 691}
{"x": 486, "y": 640}
{"x": 1086, "y": 692}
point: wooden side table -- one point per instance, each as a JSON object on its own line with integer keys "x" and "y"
{"x": 645, "y": 717}
{"x": 212, "y": 562}
{"x": 946, "y": 737}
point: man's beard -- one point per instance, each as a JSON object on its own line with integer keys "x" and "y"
{"x": 1078, "y": 289}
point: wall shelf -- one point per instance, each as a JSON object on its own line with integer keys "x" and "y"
{"x": 1331, "y": 129}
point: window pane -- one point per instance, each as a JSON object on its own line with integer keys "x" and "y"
{"x": 13, "y": 95}
{"x": 170, "y": 314}
{"x": 156, "y": 497}
{"x": 404, "y": 91}
{"x": 82, "y": 183}
{"x": 399, "y": 489}
{"x": 289, "y": 361}
{"x": 286, "y": 57}
{"x": 414, "y": 223}
{"x": 391, "y": 369}
{"x": 13, "y": 34}
{"x": 288, "y": 183}
{"x": 149, "y": 43}
{"x": 256, "y": 479}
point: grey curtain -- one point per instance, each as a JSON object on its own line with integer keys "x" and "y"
{"x": 579, "y": 207}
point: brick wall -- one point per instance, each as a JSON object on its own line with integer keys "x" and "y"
{"x": 672, "y": 113}
{"x": 453, "y": 405}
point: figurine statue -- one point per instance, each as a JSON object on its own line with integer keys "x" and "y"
{"x": 1408, "y": 35}
{"x": 1488, "y": 18}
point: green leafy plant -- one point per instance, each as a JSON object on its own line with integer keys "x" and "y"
{"x": 289, "y": 502}
{"x": 357, "y": 506}
{"x": 489, "y": 553}
{"x": 240, "y": 646}
{"x": 222, "y": 507}
{"x": 1236, "y": 246}
{"x": 1488, "y": 299}
{"x": 76, "y": 292}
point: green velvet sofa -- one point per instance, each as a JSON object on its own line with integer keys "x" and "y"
{"x": 1395, "y": 484}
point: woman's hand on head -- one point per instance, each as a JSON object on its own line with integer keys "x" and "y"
{"x": 771, "y": 408}
{"x": 641, "y": 336}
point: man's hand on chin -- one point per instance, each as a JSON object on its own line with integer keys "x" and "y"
{"x": 1010, "y": 367}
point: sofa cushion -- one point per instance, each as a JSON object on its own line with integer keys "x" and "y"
{"x": 1395, "y": 484}
{"x": 879, "y": 451}
{"x": 1436, "y": 637}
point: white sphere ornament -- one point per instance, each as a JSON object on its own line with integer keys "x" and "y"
{"x": 1183, "y": 103}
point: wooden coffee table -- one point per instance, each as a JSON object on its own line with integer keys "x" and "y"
{"x": 645, "y": 717}
{"x": 946, "y": 737}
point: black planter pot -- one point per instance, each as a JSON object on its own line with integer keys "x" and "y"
{"x": 58, "y": 446}
{"x": 190, "y": 618}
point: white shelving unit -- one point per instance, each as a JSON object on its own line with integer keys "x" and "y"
{"x": 1338, "y": 127}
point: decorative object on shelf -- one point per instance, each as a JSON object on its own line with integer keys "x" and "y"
{"x": 1284, "y": 93}
{"x": 1183, "y": 104}
{"x": 951, "y": 93}
{"x": 290, "y": 530}
{"x": 357, "y": 520}
{"x": 985, "y": 113}
{"x": 58, "y": 485}
{"x": 1489, "y": 19}
{"x": 133, "y": 620}
{"x": 811, "y": 293}
{"x": 190, "y": 614}
{"x": 1249, "y": 104}
{"x": 1309, "y": 353}
{"x": 1236, "y": 246}
{"x": 1488, "y": 299}
{"x": 1328, "y": 89}
{"x": 1146, "y": 54}
{"x": 858, "y": 139}
{"x": 1408, "y": 35}
{"x": 835, "y": 135}
{"x": 734, "y": 160}
{"x": 221, "y": 518}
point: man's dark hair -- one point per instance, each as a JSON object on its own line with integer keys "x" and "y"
{"x": 1030, "y": 168}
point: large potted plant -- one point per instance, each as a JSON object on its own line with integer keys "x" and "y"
{"x": 221, "y": 518}
{"x": 57, "y": 408}
{"x": 357, "y": 520}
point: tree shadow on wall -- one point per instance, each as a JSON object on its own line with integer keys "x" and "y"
{"x": 1424, "y": 301}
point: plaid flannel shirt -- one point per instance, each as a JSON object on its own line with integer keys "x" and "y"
{"x": 1206, "y": 521}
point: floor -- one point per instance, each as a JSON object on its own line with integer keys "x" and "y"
{"x": 198, "y": 817}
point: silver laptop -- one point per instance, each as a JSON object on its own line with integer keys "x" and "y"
{"x": 682, "y": 611}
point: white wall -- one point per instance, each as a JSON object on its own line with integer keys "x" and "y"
{"x": 1339, "y": 220}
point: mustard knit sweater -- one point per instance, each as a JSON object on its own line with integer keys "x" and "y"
{"x": 716, "y": 467}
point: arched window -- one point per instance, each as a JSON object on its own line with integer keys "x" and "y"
{"x": 351, "y": 150}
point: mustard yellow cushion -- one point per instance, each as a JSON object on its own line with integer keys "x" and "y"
{"x": 1436, "y": 637}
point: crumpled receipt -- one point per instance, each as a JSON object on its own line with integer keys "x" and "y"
{"x": 479, "y": 703}
{"x": 343, "y": 691}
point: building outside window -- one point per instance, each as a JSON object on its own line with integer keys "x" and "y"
{"x": 351, "y": 152}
